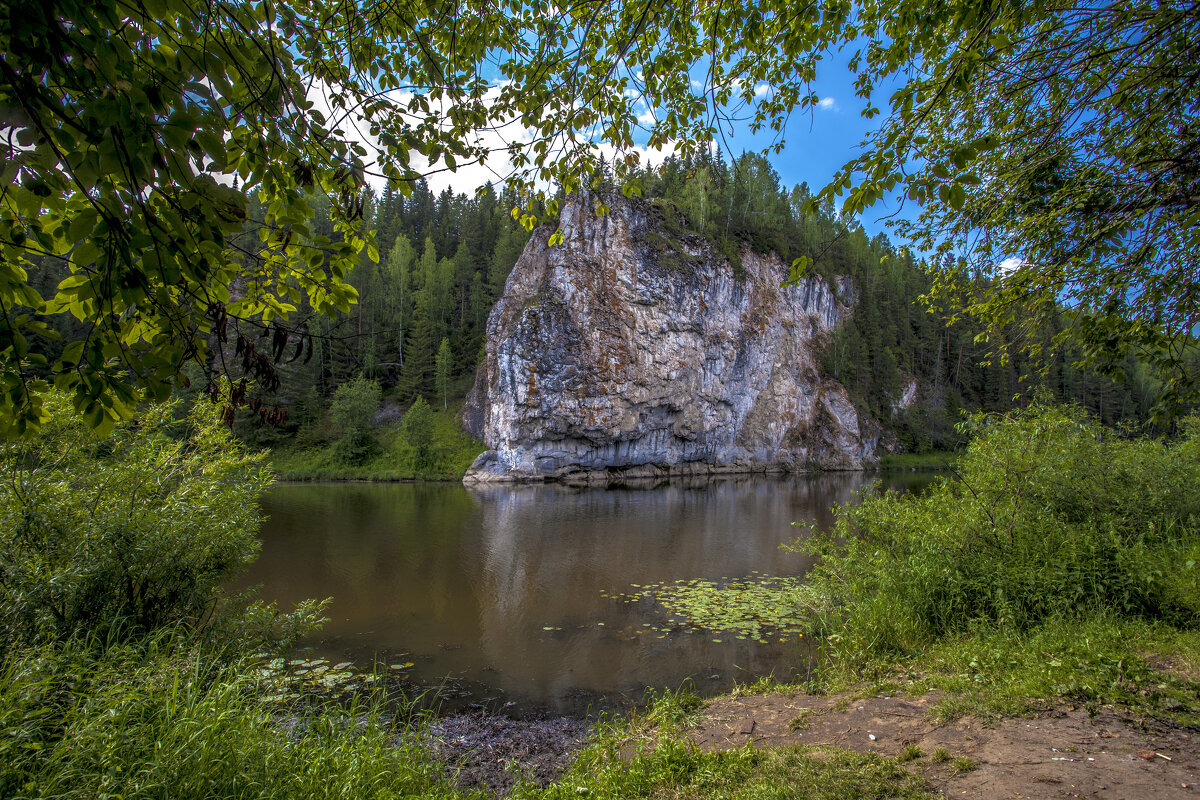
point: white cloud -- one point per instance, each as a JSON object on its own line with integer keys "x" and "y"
{"x": 1010, "y": 265}
{"x": 469, "y": 175}
{"x": 827, "y": 104}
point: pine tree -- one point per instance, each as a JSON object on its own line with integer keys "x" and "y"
{"x": 442, "y": 372}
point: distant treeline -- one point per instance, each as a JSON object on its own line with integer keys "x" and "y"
{"x": 418, "y": 329}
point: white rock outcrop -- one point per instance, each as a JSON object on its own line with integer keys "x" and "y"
{"x": 630, "y": 351}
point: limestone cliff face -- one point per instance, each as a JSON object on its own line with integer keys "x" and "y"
{"x": 630, "y": 351}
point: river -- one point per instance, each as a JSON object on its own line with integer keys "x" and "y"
{"x": 505, "y": 595}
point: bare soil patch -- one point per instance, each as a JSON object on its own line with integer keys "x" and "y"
{"x": 1062, "y": 753}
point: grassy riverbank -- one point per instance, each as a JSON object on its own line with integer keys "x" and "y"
{"x": 1062, "y": 564}
{"x": 160, "y": 721}
{"x": 936, "y": 460}
{"x": 157, "y": 722}
{"x": 1059, "y": 568}
{"x": 440, "y": 450}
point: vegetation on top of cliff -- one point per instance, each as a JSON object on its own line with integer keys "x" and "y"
{"x": 891, "y": 341}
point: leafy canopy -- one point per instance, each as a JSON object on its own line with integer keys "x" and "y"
{"x": 127, "y": 127}
{"x": 1055, "y": 149}
{"x": 169, "y": 154}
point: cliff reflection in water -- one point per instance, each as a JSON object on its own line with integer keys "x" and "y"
{"x": 466, "y": 582}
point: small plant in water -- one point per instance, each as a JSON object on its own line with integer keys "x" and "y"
{"x": 756, "y": 608}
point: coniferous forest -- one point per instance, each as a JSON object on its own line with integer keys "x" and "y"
{"x": 418, "y": 328}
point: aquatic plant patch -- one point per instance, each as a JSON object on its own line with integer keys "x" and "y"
{"x": 758, "y": 607}
{"x": 283, "y": 680}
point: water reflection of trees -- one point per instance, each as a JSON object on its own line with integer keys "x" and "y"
{"x": 466, "y": 580}
{"x": 549, "y": 553}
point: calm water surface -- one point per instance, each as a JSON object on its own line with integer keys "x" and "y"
{"x": 464, "y": 582}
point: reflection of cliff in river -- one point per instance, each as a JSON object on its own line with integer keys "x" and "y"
{"x": 465, "y": 581}
{"x": 603, "y": 542}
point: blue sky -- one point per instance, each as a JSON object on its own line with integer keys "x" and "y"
{"x": 818, "y": 142}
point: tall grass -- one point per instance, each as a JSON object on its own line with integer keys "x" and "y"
{"x": 164, "y": 722}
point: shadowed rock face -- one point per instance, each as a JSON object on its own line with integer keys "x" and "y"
{"x": 631, "y": 351}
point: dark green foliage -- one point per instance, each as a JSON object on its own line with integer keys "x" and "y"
{"x": 1049, "y": 516}
{"x": 441, "y": 272}
{"x": 353, "y": 412}
{"x": 427, "y": 445}
{"x": 117, "y": 536}
{"x": 417, "y": 430}
{"x": 441, "y": 372}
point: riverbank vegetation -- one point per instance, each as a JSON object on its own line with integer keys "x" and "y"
{"x": 426, "y": 444}
{"x": 1062, "y": 560}
{"x": 1057, "y": 564}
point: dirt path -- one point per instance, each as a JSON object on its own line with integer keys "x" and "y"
{"x": 1060, "y": 754}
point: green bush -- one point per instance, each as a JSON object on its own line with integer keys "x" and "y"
{"x": 416, "y": 431}
{"x": 353, "y": 410}
{"x": 1049, "y": 516}
{"x": 118, "y": 536}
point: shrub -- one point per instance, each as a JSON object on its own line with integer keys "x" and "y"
{"x": 417, "y": 430}
{"x": 118, "y": 536}
{"x": 1049, "y": 515}
{"x": 353, "y": 410}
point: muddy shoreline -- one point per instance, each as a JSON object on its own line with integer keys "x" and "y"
{"x": 488, "y": 746}
{"x": 492, "y": 752}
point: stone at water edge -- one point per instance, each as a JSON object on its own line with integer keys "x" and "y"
{"x": 631, "y": 350}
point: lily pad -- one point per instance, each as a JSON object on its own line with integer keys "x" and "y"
{"x": 758, "y": 607}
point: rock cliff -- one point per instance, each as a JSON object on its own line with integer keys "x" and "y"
{"x": 633, "y": 349}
